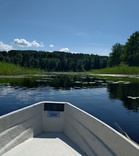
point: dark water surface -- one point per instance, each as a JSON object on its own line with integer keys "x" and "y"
{"x": 112, "y": 102}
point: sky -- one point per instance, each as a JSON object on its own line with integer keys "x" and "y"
{"x": 77, "y": 26}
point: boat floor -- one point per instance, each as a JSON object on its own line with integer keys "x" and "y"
{"x": 50, "y": 144}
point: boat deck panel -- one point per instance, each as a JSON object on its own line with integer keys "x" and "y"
{"x": 50, "y": 144}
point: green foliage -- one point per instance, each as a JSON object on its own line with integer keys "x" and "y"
{"x": 132, "y": 50}
{"x": 11, "y": 69}
{"x": 128, "y": 53}
{"x": 122, "y": 69}
{"x": 116, "y": 55}
{"x": 54, "y": 61}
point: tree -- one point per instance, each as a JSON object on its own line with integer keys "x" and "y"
{"x": 96, "y": 62}
{"x": 34, "y": 63}
{"x": 1, "y": 57}
{"x": 131, "y": 50}
{"x": 54, "y": 61}
{"x": 115, "y": 55}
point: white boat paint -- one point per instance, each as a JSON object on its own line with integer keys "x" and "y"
{"x": 35, "y": 131}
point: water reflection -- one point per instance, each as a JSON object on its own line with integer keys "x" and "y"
{"x": 28, "y": 82}
{"x": 109, "y": 101}
{"x": 127, "y": 93}
{"x": 65, "y": 81}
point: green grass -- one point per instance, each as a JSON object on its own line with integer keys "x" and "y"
{"x": 11, "y": 69}
{"x": 117, "y": 70}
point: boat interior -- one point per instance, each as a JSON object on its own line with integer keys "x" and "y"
{"x": 57, "y": 129}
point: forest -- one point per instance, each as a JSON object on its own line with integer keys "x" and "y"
{"x": 54, "y": 61}
{"x": 127, "y": 54}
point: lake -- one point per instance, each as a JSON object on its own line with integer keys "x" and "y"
{"x": 111, "y": 102}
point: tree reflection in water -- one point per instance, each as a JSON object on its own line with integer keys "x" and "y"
{"x": 127, "y": 93}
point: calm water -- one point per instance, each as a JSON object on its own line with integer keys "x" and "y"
{"x": 110, "y": 102}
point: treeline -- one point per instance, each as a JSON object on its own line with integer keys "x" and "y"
{"x": 54, "y": 61}
{"x": 125, "y": 54}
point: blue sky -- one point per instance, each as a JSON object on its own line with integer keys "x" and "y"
{"x": 83, "y": 26}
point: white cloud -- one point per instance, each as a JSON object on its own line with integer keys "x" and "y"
{"x": 5, "y": 47}
{"x": 22, "y": 42}
{"x": 6, "y": 90}
{"x": 51, "y": 45}
{"x": 36, "y": 44}
{"x": 25, "y": 43}
{"x": 64, "y": 49}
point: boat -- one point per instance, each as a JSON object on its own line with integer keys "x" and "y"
{"x": 50, "y": 128}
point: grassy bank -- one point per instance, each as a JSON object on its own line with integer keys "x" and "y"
{"x": 117, "y": 70}
{"x": 129, "y": 73}
{"x": 11, "y": 69}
